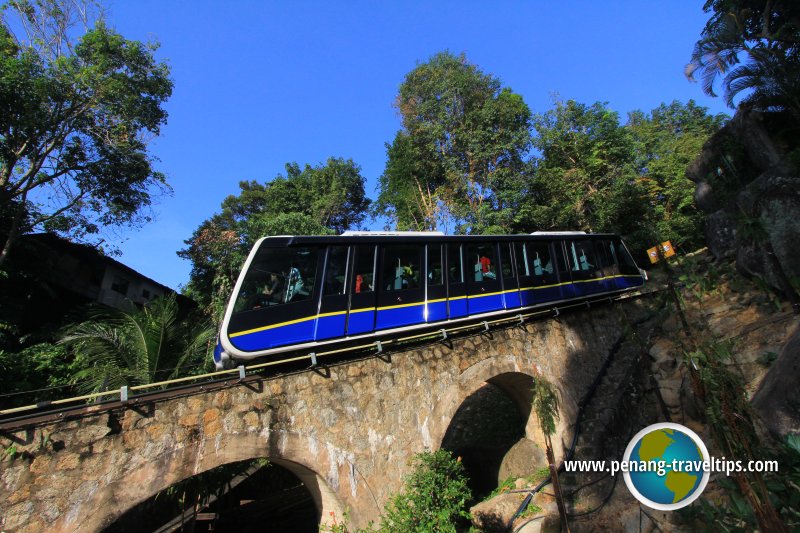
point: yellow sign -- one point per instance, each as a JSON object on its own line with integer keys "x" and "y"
{"x": 666, "y": 250}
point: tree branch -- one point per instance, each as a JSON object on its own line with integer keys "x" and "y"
{"x": 56, "y": 213}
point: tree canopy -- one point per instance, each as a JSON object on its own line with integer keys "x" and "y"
{"x": 463, "y": 137}
{"x": 668, "y": 140}
{"x": 75, "y": 119}
{"x": 320, "y": 200}
{"x": 584, "y": 178}
{"x": 595, "y": 173}
{"x": 471, "y": 158}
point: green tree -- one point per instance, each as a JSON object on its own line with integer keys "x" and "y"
{"x": 434, "y": 496}
{"x": 332, "y": 195}
{"x": 753, "y": 45}
{"x": 585, "y": 177}
{"x": 464, "y": 137}
{"x": 75, "y": 119}
{"x": 318, "y": 200}
{"x": 136, "y": 346}
{"x": 36, "y": 373}
{"x": 668, "y": 140}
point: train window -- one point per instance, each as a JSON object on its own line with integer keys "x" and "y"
{"x": 401, "y": 267}
{"x": 336, "y": 270}
{"x": 365, "y": 269}
{"x": 483, "y": 262}
{"x": 277, "y": 276}
{"x": 581, "y": 256}
{"x": 605, "y": 257}
{"x": 435, "y": 270}
{"x": 455, "y": 271}
{"x": 540, "y": 260}
{"x": 505, "y": 260}
{"x": 626, "y": 263}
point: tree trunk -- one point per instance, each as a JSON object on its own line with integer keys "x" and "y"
{"x": 551, "y": 459}
{"x": 13, "y": 233}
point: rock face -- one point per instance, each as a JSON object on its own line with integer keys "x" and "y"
{"x": 749, "y": 184}
{"x": 523, "y": 458}
{"x": 778, "y": 399}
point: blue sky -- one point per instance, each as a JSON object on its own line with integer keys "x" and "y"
{"x": 260, "y": 84}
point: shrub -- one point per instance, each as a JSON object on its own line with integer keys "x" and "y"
{"x": 434, "y": 498}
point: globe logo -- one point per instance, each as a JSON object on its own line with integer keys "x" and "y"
{"x": 666, "y": 466}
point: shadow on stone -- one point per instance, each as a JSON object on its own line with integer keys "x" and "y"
{"x": 483, "y": 430}
{"x": 247, "y": 496}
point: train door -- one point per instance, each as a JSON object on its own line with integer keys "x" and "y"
{"x": 276, "y": 301}
{"x": 544, "y": 270}
{"x": 483, "y": 286}
{"x": 456, "y": 286}
{"x": 524, "y": 274}
{"x": 363, "y": 297}
{"x": 401, "y": 286}
{"x": 436, "y": 295}
{"x": 605, "y": 258}
{"x": 507, "y": 273}
{"x": 333, "y": 306}
{"x": 565, "y": 287}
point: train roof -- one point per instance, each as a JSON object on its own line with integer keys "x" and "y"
{"x": 425, "y": 237}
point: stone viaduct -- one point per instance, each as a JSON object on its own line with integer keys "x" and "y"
{"x": 348, "y": 435}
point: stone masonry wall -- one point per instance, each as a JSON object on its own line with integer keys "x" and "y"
{"x": 348, "y": 436}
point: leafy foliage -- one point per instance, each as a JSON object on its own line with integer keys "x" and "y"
{"x": 594, "y": 173}
{"x": 733, "y": 425}
{"x": 735, "y": 514}
{"x": 136, "y": 346}
{"x": 754, "y": 45}
{"x": 545, "y": 405}
{"x": 317, "y": 200}
{"x": 75, "y": 121}
{"x": 434, "y": 497}
{"x": 464, "y": 140}
{"x": 461, "y": 162}
{"x": 585, "y": 177}
{"x": 667, "y": 141}
{"x": 43, "y": 367}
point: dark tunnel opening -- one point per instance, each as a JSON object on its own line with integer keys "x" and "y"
{"x": 247, "y": 496}
{"x": 485, "y": 427}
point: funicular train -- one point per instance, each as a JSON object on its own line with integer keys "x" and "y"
{"x": 304, "y": 293}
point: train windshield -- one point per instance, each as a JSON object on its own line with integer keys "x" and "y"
{"x": 627, "y": 265}
{"x": 277, "y": 276}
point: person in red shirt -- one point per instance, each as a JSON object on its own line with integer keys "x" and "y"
{"x": 486, "y": 264}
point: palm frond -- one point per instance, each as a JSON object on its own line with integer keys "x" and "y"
{"x": 135, "y": 346}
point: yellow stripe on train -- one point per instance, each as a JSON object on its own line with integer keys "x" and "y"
{"x": 365, "y": 309}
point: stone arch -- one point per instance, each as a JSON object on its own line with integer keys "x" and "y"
{"x": 502, "y": 371}
{"x": 145, "y": 479}
{"x": 514, "y": 376}
{"x": 485, "y": 414}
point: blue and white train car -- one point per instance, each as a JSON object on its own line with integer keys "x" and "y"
{"x": 302, "y": 293}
